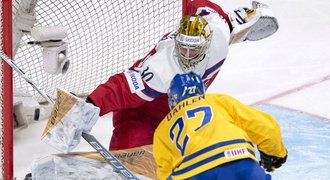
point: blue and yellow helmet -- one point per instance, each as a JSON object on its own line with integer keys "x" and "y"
{"x": 184, "y": 86}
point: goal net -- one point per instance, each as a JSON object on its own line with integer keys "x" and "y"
{"x": 103, "y": 37}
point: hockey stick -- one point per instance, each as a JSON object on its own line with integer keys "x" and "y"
{"x": 22, "y": 73}
{"x": 111, "y": 159}
{"x": 114, "y": 162}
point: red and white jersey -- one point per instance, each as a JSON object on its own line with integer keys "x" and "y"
{"x": 159, "y": 67}
{"x": 150, "y": 77}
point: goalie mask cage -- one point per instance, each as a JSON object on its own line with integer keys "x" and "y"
{"x": 104, "y": 37}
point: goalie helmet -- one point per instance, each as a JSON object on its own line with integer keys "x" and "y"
{"x": 192, "y": 40}
{"x": 184, "y": 86}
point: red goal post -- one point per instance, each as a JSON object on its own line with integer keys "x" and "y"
{"x": 6, "y": 97}
{"x": 104, "y": 37}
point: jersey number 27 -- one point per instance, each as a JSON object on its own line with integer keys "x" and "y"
{"x": 180, "y": 123}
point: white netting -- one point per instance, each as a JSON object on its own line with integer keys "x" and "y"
{"x": 104, "y": 37}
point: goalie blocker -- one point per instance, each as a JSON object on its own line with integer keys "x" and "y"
{"x": 70, "y": 117}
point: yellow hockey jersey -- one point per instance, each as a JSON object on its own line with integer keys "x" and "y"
{"x": 205, "y": 131}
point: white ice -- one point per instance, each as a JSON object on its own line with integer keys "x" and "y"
{"x": 290, "y": 70}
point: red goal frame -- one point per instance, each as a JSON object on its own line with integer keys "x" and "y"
{"x": 7, "y": 93}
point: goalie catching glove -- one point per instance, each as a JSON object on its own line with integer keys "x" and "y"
{"x": 270, "y": 163}
{"x": 252, "y": 24}
{"x": 70, "y": 117}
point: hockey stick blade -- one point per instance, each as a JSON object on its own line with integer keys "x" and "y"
{"x": 112, "y": 160}
{"x": 118, "y": 167}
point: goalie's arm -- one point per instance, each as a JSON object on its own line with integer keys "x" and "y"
{"x": 114, "y": 95}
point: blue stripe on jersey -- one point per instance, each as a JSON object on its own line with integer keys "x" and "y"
{"x": 213, "y": 68}
{"x": 200, "y": 163}
{"x": 215, "y": 146}
{"x": 151, "y": 92}
{"x": 209, "y": 159}
{"x": 169, "y": 178}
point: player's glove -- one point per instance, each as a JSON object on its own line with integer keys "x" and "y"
{"x": 269, "y": 163}
{"x": 252, "y": 24}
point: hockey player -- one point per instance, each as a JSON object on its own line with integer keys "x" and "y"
{"x": 211, "y": 136}
{"x": 137, "y": 97}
